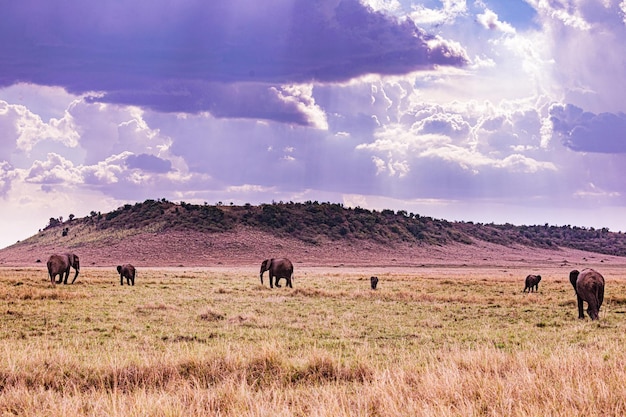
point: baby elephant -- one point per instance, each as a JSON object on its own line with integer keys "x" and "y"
{"x": 126, "y": 271}
{"x": 532, "y": 281}
{"x": 373, "y": 282}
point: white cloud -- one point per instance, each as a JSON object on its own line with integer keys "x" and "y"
{"x": 23, "y": 130}
{"x": 54, "y": 170}
{"x": 489, "y": 20}
{"x": 451, "y": 9}
{"x": 301, "y": 96}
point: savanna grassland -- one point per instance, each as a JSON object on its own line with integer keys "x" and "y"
{"x": 430, "y": 341}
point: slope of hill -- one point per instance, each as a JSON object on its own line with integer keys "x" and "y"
{"x": 162, "y": 233}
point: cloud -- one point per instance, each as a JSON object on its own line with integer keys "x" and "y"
{"x": 451, "y": 10}
{"x": 148, "y": 163}
{"x": 24, "y": 129}
{"x": 489, "y": 20}
{"x": 7, "y": 175}
{"x": 464, "y": 150}
{"x": 195, "y": 56}
{"x": 54, "y": 170}
{"x": 586, "y": 42}
{"x": 584, "y": 131}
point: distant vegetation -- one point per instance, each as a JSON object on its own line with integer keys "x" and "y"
{"x": 311, "y": 221}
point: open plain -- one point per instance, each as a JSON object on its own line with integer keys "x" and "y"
{"x": 439, "y": 338}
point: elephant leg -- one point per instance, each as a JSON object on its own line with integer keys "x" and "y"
{"x": 581, "y": 315}
{"x": 60, "y": 280}
{"x": 593, "y": 309}
{"x": 289, "y": 283}
{"x": 121, "y": 280}
{"x": 600, "y": 297}
{"x": 593, "y": 313}
{"x": 271, "y": 282}
{"x": 276, "y": 284}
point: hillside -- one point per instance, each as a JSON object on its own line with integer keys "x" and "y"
{"x": 162, "y": 233}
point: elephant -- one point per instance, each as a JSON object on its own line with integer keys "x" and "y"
{"x": 279, "y": 268}
{"x": 532, "y": 281}
{"x": 589, "y": 287}
{"x": 126, "y": 271}
{"x": 60, "y": 265}
{"x": 373, "y": 282}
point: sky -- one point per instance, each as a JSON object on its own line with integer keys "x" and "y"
{"x": 504, "y": 111}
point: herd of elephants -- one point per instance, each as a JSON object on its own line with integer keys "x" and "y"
{"x": 588, "y": 283}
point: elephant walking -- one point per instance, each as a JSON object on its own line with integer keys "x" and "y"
{"x": 589, "y": 287}
{"x": 60, "y": 265}
{"x": 279, "y": 268}
{"x": 126, "y": 271}
{"x": 373, "y": 282}
{"x": 532, "y": 282}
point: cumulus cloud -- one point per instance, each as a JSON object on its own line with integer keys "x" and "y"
{"x": 489, "y": 20}
{"x": 24, "y": 129}
{"x": 54, "y": 170}
{"x": 452, "y": 150}
{"x": 193, "y": 56}
{"x": 588, "y": 132}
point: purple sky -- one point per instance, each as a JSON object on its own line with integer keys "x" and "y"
{"x": 490, "y": 111}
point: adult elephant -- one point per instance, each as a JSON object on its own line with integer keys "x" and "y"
{"x": 126, "y": 271}
{"x": 279, "y": 268}
{"x": 589, "y": 287}
{"x": 60, "y": 265}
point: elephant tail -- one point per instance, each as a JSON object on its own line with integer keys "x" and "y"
{"x": 599, "y": 296}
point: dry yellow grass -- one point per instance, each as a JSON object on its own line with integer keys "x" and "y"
{"x": 212, "y": 341}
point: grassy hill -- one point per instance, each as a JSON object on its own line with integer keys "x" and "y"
{"x": 314, "y": 223}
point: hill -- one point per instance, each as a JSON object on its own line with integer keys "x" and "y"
{"x": 163, "y": 233}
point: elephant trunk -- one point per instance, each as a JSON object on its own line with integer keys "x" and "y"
{"x": 261, "y": 276}
{"x": 76, "y": 274}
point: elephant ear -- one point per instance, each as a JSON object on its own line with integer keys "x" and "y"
{"x": 573, "y": 277}
{"x": 264, "y": 265}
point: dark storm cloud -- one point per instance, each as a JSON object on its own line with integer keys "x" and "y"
{"x": 149, "y": 163}
{"x": 588, "y": 132}
{"x": 191, "y": 56}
